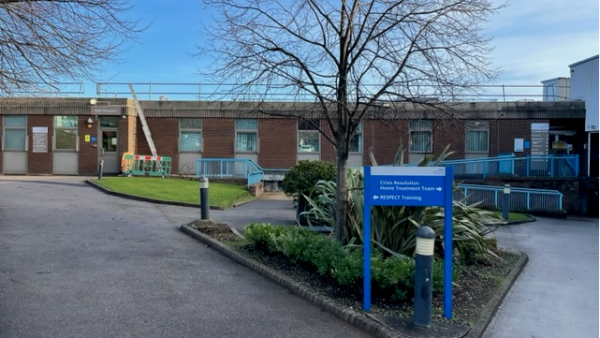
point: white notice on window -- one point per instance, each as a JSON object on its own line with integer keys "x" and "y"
{"x": 518, "y": 145}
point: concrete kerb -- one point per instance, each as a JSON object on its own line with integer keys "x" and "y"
{"x": 354, "y": 318}
{"x": 144, "y": 199}
{"x": 361, "y": 321}
{"x": 487, "y": 314}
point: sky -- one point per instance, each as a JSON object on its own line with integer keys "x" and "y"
{"x": 533, "y": 40}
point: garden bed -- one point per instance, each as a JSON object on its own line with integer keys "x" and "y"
{"x": 471, "y": 291}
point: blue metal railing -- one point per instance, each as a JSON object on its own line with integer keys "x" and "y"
{"x": 555, "y": 166}
{"x": 274, "y": 174}
{"x": 233, "y": 168}
{"x": 520, "y": 198}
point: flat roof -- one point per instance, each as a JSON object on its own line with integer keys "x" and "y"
{"x": 556, "y": 78}
{"x": 583, "y": 61}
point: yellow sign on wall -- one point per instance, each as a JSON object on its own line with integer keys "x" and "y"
{"x": 87, "y": 138}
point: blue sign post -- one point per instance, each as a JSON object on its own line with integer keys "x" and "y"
{"x": 408, "y": 186}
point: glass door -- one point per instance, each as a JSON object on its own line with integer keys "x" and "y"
{"x": 109, "y": 141}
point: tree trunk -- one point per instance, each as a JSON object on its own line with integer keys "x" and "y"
{"x": 342, "y": 192}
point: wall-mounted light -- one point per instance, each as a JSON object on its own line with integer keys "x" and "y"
{"x": 94, "y": 102}
{"x": 90, "y": 122}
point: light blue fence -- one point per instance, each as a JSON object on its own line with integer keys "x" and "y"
{"x": 229, "y": 168}
{"x": 520, "y": 198}
{"x": 554, "y": 166}
{"x": 274, "y": 174}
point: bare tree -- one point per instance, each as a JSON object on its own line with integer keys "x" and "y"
{"x": 45, "y": 41}
{"x": 350, "y": 56}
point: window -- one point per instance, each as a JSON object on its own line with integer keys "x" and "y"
{"x": 109, "y": 122}
{"x": 420, "y": 136}
{"x": 476, "y": 141}
{"x": 308, "y": 136}
{"x": 246, "y": 136}
{"x": 477, "y": 136}
{"x": 15, "y": 133}
{"x": 356, "y": 142}
{"x": 190, "y": 135}
{"x": 109, "y": 140}
{"x": 65, "y": 133}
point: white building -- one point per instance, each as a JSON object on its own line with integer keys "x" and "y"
{"x": 585, "y": 86}
{"x": 557, "y": 89}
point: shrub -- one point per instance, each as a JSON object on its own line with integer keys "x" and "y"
{"x": 392, "y": 277}
{"x": 393, "y": 227}
{"x": 302, "y": 177}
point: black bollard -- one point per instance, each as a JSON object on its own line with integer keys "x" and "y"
{"x": 100, "y": 169}
{"x": 423, "y": 276}
{"x": 204, "y": 204}
{"x": 506, "y": 201}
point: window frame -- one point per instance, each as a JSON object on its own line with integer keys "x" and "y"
{"x": 239, "y": 131}
{"x": 304, "y": 126}
{"x": 476, "y": 126}
{"x": 358, "y": 134}
{"x": 190, "y": 130}
{"x": 6, "y": 128}
{"x": 73, "y": 129}
{"x": 417, "y": 126}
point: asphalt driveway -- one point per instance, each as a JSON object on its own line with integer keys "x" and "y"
{"x": 75, "y": 262}
{"x": 556, "y": 295}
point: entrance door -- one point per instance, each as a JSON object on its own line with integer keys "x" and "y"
{"x": 109, "y": 141}
{"x": 14, "y": 145}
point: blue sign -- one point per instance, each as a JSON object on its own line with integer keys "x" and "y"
{"x": 93, "y": 139}
{"x": 408, "y": 186}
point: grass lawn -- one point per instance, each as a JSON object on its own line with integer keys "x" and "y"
{"x": 178, "y": 190}
{"x": 514, "y": 216}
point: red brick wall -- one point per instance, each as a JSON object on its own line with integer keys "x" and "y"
{"x": 449, "y": 132}
{"x": 127, "y": 135}
{"x": 88, "y": 155}
{"x": 278, "y": 139}
{"x": 165, "y": 134}
{"x": 328, "y": 152}
{"x": 383, "y": 138}
{"x": 504, "y": 132}
{"x": 40, "y": 163}
{"x": 218, "y": 136}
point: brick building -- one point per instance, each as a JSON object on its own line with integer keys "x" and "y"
{"x": 65, "y": 136}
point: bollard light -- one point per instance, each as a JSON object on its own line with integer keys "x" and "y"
{"x": 425, "y": 241}
{"x": 204, "y": 203}
{"x": 423, "y": 276}
{"x": 506, "y": 201}
{"x": 203, "y": 182}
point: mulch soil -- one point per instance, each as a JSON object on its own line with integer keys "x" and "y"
{"x": 471, "y": 292}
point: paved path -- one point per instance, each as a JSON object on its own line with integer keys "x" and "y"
{"x": 75, "y": 262}
{"x": 556, "y": 296}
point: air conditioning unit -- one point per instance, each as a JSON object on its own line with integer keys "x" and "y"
{"x": 163, "y": 98}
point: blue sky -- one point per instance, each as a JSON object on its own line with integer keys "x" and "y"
{"x": 534, "y": 40}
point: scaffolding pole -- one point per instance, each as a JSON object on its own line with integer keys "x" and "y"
{"x": 145, "y": 128}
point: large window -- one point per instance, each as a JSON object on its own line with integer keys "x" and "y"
{"x": 420, "y": 136}
{"x": 15, "y": 133}
{"x": 308, "y": 136}
{"x": 356, "y": 143}
{"x": 65, "y": 133}
{"x": 246, "y": 136}
{"x": 477, "y": 136}
{"x": 476, "y": 141}
{"x": 190, "y": 135}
